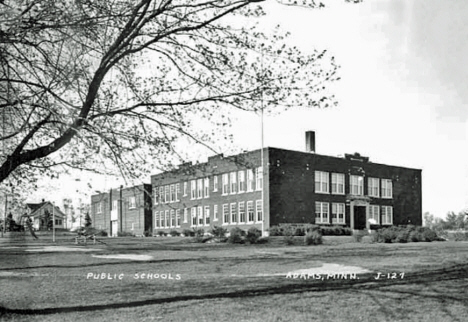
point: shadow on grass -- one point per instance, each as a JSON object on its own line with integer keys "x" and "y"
{"x": 291, "y": 286}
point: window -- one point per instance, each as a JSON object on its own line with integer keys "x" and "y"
{"x": 215, "y": 213}
{"x": 99, "y": 208}
{"x": 387, "y": 215}
{"x": 241, "y": 175}
{"x": 259, "y": 177}
{"x": 193, "y": 189}
{"x": 177, "y": 217}
{"x": 185, "y": 189}
{"x": 194, "y": 216}
{"x": 114, "y": 205}
{"x": 357, "y": 185}
{"x": 155, "y": 195}
{"x": 225, "y": 184}
{"x": 177, "y": 192}
{"x": 321, "y": 213}
{"x": 207, "y": 215}
{"x": 200, "y": 216}
{"x": 373, "y": 187}
{"x": 131, "y": 203}
{"x": 250, "y": 211}
{"x": 338, "y": 213}
{"x": 200, "y": 188}
{"x": 233, "y": 213}
{"x": 215, "y": 183}
{"x": 172, "y": 195}
{"x": 58, "y": 221}
{"x": 161, "y": 194}
{"x": 167, "y": 194}
{"x": 250, "y": 180}
{"x": 259, "y": 210}
{"x": 387, "y": 188}
{"x": 374, "y": 214}
{"x": 166, "y": 218}
{"x": 185, "y": 215}
{"x": 233, "y": 182}
{"x": 321, "y": 182}
{"x": 156, "y": 219}
{"x": 338, "y": 183}
{"x": 225, "y": 214}
{"x": 173, "y": 219}
{"x": 242, "y": 218}
{"x": 207, "y": 187}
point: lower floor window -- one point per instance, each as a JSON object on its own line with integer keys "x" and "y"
{"x": 338, "y": 213}
{"x": 374, "y": 214}
{"x": 321, "y": 213}
{"x": 259, "y": 209}
{"x": 225, "y": 214}
{"x": 387, "y": 215}
{"x": 242, "y": 212}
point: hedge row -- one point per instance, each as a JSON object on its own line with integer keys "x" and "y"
{"x": 302, "y": 230}
{"x": 405, "y": 234}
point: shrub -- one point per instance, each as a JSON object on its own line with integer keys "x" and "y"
{"x": 218, "y": 231}
{"x": 357, "y": 237}
{"x": 253, "y": 234}
{"x": 288, "y": 234}
{"x": 199, "y": 235}
{"x": 313, "y": 238}
{"x": 460, "y": 236}
{"x": 148, "y": 233}
{"x": 262, "y": 240}
{"x": 403, "y": 236}
{"x": 235, "y": 236}
{"x": 125, "y": 234}
{"x": 174, "y": 233}
{"x": 275, "y": 231}
{"x": 188, "y": 233}
{"x": 428, "y": 234}
{"x": 161, "y": 233}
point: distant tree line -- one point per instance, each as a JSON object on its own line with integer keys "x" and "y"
{"x": 452, "y": 221}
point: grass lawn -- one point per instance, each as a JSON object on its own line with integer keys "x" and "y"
{"x": 184, "y": 281}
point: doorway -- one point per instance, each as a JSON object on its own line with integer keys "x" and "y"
{"x": 360, "y": 217}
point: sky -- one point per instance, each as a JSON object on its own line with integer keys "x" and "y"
{"x": 403, "y": 93}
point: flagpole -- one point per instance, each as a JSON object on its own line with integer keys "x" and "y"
{"x": 261, "y": 151}
{"x": 53, "y": 222}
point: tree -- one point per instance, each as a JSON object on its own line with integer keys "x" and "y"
{"x": 84, "y": 83}
{"x": 48, "y": 220}
{"x": 88, "y": 221}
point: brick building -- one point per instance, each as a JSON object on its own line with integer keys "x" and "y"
{"x": 123, "y": 210}
{"x": 288, "y": 187}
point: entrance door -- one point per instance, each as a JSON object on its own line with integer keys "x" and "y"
{"x": 114, "y": 228}
{"x": 359, "y": 217}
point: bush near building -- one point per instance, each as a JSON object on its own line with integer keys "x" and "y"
{"x": 288, "y": 230}
{"x": 404, "y": 234}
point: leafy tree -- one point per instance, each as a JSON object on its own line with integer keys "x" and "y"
{"x": 88, "y": 221}
{"x": 122, "y": 80}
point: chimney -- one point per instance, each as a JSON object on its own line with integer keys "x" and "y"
{"x": 310, "y": 141}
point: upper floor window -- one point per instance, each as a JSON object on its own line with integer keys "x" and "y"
{"x": 259, "y": 177}
{"x": 387, "y": 189}
{"x": 131, "y": 203}
{"x": 374, "y": 214}
{"x": 387, "y": 215}
{"x": 207, "y": 187}
{"x": 250, "y": 180}
{"x": 215, "y": 183}
{"x": 166, "y": 194}
{"x": 233, "y": 182}
{"x": 373, "y": 187}
{"x": 321, "y": 182}
{"x": 155, "y": 195}
{"x": 177, "y": 192}
{"x": 185, "y": 189}
{"x": 321, "y": 213}
{"x": 357, "y": 185}
{"x": 99, "y": 208}
{"x": 241, "y": 175}
{"x": 225, "y": 183}
{"x": 161, "y": 194}
{"x": 200, "y": 188}
{"x": 338, "y": 183}
{"x": 193, "y": 189}
{"x": 172, "y": 193}
{"x": 114, "y": 205}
